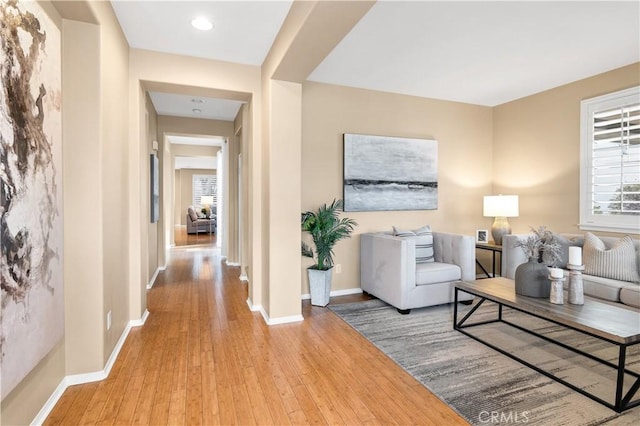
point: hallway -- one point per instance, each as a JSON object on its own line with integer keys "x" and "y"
{"x": 203, "y": 357}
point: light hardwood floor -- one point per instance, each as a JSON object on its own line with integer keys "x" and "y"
{"x": 203, "y": 357}
{"x": 181, "y": 237}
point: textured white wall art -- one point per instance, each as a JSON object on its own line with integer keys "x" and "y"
{"x": 31, "y": 273}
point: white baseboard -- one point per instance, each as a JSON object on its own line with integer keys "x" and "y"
{"x": 77, "y": 379}
{"x": 345, "y": 292}
{"x": 152, "y": 281}
{"x": 140, "y": 322}
{"x": 51, "y": 402}
{"x": 281, "y": 320}
{"x": 232, "y": 263}
{"x": 273, "y": 321}
{"x": 252, "y": 307}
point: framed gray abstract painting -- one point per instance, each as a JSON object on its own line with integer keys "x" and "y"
{"x": 154, "y": 189}
{"x": 387, "y": 173}
{"x": 31, "y": 268}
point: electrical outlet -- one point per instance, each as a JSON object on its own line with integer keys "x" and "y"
{"x": 338, "y": 268}
{"x": 109, "y": 320}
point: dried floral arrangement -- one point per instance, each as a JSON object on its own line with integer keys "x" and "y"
{"x": 541, "y": 245}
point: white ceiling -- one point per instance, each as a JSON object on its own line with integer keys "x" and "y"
{"x": 243, "y": 31}
{"x": 195, "y": 106}
{"x": 479, "y": 52}
{"x": 485, "y": 53}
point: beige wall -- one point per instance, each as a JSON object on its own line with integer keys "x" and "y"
{"x": 311, "y": 30}
{"x": 186, "y": 189}
{"x": 82, "y": 168}
{"x": 155, "y": 248}
{"x": 193, "y": 126}
{"x": 243, "y": 131}
{"x": 181, "y": 126}
{"x": 177, "y": 196}
{"x": 481, "y": 151}
{"x": 25, "y": 400}
{"x": 464, "y": 135}
{"x": 230, "y": 215}
{"x": 536, "y": 151}
{"x": 153, "y": 71}
{"x": 114, "y": 72}
{"x": 284, "y": 185}
{"x": 182, "y": 199}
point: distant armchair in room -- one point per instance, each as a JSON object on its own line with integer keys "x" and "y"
{"x": 197, "y": 224}
{"x": 389, "y": 271}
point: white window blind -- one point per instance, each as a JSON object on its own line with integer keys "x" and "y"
{"x": 610, "y": 169}
{"x": 204, "y": 185}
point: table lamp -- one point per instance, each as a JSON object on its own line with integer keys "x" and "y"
{"x": 501, "y": 207}
{"x": 207, "y": 201}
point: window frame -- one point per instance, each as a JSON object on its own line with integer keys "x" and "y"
{"x": 212, "y": 176}
{"x": 588, "y": 220}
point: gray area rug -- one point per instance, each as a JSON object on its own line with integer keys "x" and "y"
{"x": 485, "y": 386}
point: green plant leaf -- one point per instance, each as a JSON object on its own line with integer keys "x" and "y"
{"x": 326, "y": 229}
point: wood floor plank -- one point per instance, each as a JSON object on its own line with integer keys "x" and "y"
{"x": 80, "y": 404}
{"x": 128, "y": 406}
{"x": 204, "y": 358}
{"x": 64, "y": 406}
{"x": 210, "y": 404}
{"x": 97, "y": 403}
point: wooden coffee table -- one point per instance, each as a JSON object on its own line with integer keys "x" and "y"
{"x": 616, "y": 325}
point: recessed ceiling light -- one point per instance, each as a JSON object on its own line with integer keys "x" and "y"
{"x": 202, "y": 23}
{"x": 196, "y": 110}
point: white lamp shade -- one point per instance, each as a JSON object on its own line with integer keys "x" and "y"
{"x": 206, "y": 200}
{"x": 500, "y": 206}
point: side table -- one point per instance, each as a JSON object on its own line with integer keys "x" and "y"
{"x": 493, "y": 248}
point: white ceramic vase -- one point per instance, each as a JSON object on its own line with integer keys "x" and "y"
{"x": 320, "y": 286}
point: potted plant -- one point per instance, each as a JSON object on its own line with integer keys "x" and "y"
{"x": 541, "y": 249}
{"x": 326, "y": 229}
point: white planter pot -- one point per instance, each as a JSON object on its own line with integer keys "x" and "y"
{"x": 320, "y": 286}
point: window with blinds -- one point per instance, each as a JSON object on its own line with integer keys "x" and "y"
{"x": 204, "y": 185}
{"x": 610, "y": 168}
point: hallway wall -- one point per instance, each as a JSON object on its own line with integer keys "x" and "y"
{"x": 95, "y": 177}
{"x": 155, "y": 229}
{"x": 153, "y": 71}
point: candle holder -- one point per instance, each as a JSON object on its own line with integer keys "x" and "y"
{"x": 576, "y": 288}
{"x": 557, "y": 294}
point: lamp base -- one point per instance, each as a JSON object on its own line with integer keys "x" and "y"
{"x": 499, "y": 229}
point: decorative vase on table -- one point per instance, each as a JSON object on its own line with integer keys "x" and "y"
{"x": 532, "y": 279}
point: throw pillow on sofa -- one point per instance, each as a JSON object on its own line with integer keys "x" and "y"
{"x": 617, "y": 263}
{"x": 192, "y": 214}
{"x": 424, "y": 242}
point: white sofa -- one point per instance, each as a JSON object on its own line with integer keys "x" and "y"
{"x": 625, "y": 292}
{"x": 388, "y": 269}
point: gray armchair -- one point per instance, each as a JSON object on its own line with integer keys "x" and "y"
{"x": 388, "y": 269}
